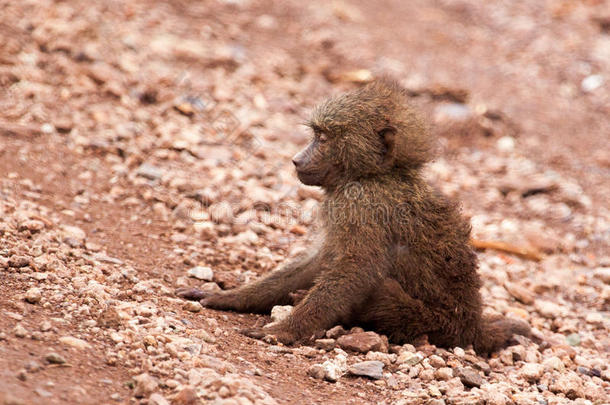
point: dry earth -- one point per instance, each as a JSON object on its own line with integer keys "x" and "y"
{"x": 145, "y": 145}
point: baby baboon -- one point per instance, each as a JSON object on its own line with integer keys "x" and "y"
{"x": 394, "y": 254}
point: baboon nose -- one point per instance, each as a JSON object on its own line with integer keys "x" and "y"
{"x": 296, "y": 162}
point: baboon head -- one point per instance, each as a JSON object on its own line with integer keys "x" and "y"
{"x": 367, "y": 132}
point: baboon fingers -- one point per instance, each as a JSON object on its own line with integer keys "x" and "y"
{"x": 271, "y": 335}
{"x": 209, "y": 299}
{"x": 255, "y": 333}
{"x": 189, "y": 293}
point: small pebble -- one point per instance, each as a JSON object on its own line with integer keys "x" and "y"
{"x": 192, "y": 306}
{"x": 372, "y": 369}
{"x": 573, "y": 339}
{"x": 54, "y": 358}
{"x": 532, "y": 372}
{"x": 591, "y": 83}
{"x": 201, "y": 273}
{"x": 20, "y": 331}
{"x": 506, "y": 144}
{"x": 443, "y": 374}
{"x": 469, "y": 377}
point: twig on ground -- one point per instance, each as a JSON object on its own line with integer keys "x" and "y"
{"x": 523, "y": 252}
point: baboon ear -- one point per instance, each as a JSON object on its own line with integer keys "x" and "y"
{"x": 388, "y": 139}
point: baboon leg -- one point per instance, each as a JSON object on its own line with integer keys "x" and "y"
{"x": 275, "y": 288}
{"x": 393, "y": 312}
{"x": 261, "y": 295}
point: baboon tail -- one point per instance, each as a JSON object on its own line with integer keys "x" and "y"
{"x": 496, "y": 333}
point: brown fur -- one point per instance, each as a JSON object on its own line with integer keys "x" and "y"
{"x": 394, "y": 254}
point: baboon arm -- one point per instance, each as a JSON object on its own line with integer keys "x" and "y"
{"x": 275, "y": 288}
{"x": 333, "y": 299}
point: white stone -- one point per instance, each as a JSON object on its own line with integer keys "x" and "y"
{"x": 532, "y": 371}
{"x": 74, "y": 342}
{"x": 506, "y": 144}
{"x": 591, "y": 83}
{"x": 201, "y": 273}
{"x": 280, "y": 312}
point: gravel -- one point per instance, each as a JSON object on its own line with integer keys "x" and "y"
{"x": 125, "y": 187}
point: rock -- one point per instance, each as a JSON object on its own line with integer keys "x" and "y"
{"x": 493, "y": 397}
{"x": 483, "y": 366}
{"x": 553, "y": 363}
{"x": 157, "y": 399}
{"x": 20, "y": 331}
{"x": 41, "y": 392}
{"x": 149, "y": 171}
{"x": 469, "y": 377}
{"x": 595, "y": 318}
{"x": 335, "y": 332}
{"x": 22, "y": 375}
{"x": 74, "y": 342}
{"x": 517, "y": 313}
{"x": 436, "y": 361}
{"x": 33, "y": 295}
{"x": 506, "y": 144}
{"x": 573, "y": 339}
{"x": 185, "y": 108}
{"x": 569, "y": 384}
{"x": 602, "y": 273}
{"x": 385, "y": 358}
{"x": 443, "y": 373}
{"x": 591, "y": 83}
{"x": 459, "y": 352}
{"x": 280, "y": 312}
{"x": 192, "y": 306}
{"x": 507, "y": 357}
{"x": 520, "y": 293}
{"x": 518, "y": 352}
{"x": 532, "y": 372}
{"x": 201, "y": 273}
{"x": 325, "y": 344}
{"x": 17, "y": 261}
{"x": 145, "y": 384}
{"x": 548, "y": 309}
{"x": 426, "y": 375}
{"x": 308, "y": 351}
{"x": 186, "y": 396}
{"x": 33, "y": 366}
{"x": 363, "y": 342}
{"x": 372, "y": 369}
{"x": 109, "y": 318}
{"x": 328, "y": 371}
{"x": 32, "y": 226}
{"x": 316, "y": 371}
{"x": 73, "y": 235}
{"x": 409, "y": 358}
{"x": 54, "y": 358}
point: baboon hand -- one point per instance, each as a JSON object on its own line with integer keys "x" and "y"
{"x": 210, "y": 299}
{"x": 189, "y": 293}
{"x": 273, "y": 334}
{"x": 281, "y": 332}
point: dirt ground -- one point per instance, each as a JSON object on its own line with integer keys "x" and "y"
{"x": 143, "y": 142}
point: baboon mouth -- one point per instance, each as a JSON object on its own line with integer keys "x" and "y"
{"x": 310, "y": 178}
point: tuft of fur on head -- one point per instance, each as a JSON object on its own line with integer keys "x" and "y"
{"x": 374, "y": 130}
